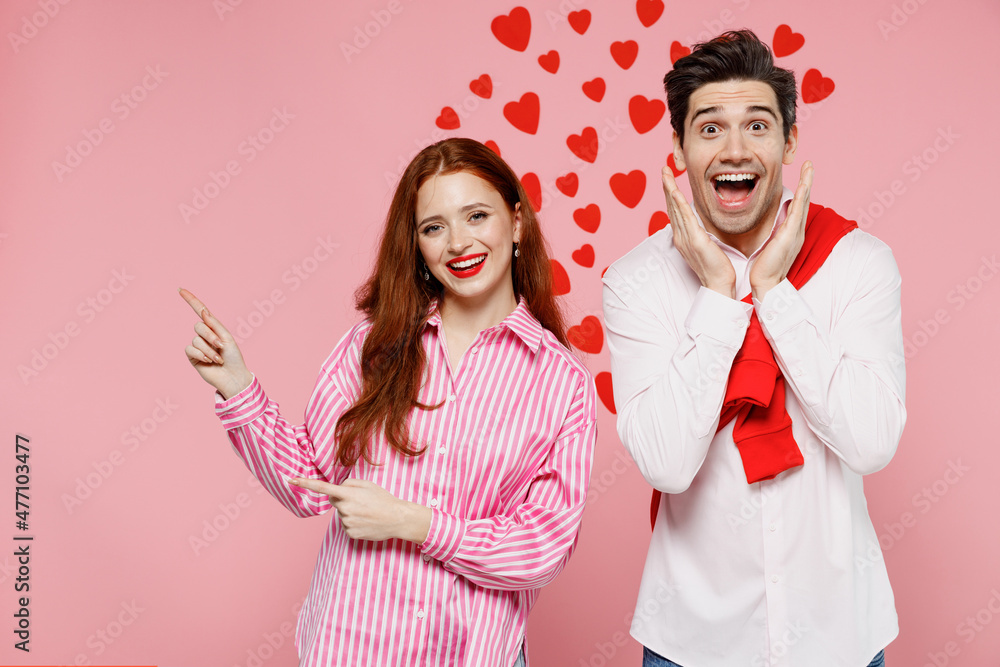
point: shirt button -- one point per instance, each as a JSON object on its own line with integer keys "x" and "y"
{"x": 769, "y": 317}
{"x": 774, "y": 579}
{"x": 474, "y": 350}
{"x": 441, "y": 450}
{"x": 427, "y": 559}
{"x": 773, "y": 528}
{"x": 452, "y": 398}
{"x": 434, "y": 502}
{"x": 742, "y": 324}
{"x": 420, "y": 613}
{"x": 798, "y": 371}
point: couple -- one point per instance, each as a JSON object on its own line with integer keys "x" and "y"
{"x": 452, "y": 430}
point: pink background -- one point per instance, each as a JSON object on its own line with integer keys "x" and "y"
{"x": 121, "y": 561}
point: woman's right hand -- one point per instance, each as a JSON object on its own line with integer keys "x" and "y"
{"x": 214, "y": 352}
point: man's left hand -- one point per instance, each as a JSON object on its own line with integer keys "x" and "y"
{"x": 779, "y": 254}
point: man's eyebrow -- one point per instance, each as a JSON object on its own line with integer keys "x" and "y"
{"x": 464, "y": 209}
{"x": 749, "y": 110}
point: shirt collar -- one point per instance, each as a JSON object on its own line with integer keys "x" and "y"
{"x": 786, "y": 200}
{"x": 521, "y": 322}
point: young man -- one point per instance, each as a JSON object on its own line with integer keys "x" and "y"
{"x": 756, "y": 351}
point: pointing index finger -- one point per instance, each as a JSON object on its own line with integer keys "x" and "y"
{"x": 318, "y": 486}
{"x": 193, "y": 301}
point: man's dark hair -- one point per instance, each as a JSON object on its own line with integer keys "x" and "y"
{"x": 737, "y": 55}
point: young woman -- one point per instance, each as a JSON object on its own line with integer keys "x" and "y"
{"x": 451, "y": 429}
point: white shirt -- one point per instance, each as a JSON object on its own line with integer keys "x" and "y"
{"x": 788, "y": 571}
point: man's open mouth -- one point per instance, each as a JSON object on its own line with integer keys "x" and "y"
{"x": 734, "y": 188}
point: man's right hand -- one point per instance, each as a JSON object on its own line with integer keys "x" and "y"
{"x": 214, "y": 352}
{"x": 705, "y": 258}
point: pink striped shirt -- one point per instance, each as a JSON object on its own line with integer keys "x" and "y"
{"x": 505, "y": 473}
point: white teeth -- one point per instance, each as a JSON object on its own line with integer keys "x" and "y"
{"x": 735, "y": 177}
{"x": 469, "y": 263}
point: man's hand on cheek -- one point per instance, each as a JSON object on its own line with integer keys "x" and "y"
{"x": 777, "y": 257}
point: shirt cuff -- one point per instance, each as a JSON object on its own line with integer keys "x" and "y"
{"x": 444, "y": 537}
{"x": 718, "y": 317}
{"x": 782, "y": 309}
{"x": 243, "y": 408}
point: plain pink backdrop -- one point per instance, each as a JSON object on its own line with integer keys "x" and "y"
{"x": 114, "y": 515}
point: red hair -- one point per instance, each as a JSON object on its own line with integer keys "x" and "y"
{"x": 396, "y": 298}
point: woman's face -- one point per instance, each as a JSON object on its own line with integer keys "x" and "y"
{"x": 466, "y": 233}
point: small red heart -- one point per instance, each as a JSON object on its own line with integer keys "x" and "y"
{"x": 568, "y": 184}
{"x": 448, "y": 120}
{"x": 815, "y": 86}
{"x": 580, "y": 20}
{"x": 483, "y": 86}
{"x": 605, "y": 391}
{"x": 588, "y": 218}
{"x": 560, "y": 279}
{"x": 629, "y": 188}
{"x": 584, "y": 256}
{"x": 588, "y": 336}
{"x": 659, "y": 221}
{"x": 673, "y": 166}
{"x": 649, "y": 11}
{"x": 549, "y": 61}
{"x": 513, "y": 30}
{"x": 645, "y": 114}
{"x": 678, "y": 51}
{"x": 594, "y": 89}
{"x": 604, "y": 271}
{"x": 492, "y": 145}
{"x": 584, "y": 145}
{"x": 533, "y": 188}
{"x": 624, "y": 53}
{"x": 523, "y": 114}
{"x": 786, "y": 42}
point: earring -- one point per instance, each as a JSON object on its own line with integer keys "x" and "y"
{"x": 427, "y": 275}
{"x": 517, "y": 252}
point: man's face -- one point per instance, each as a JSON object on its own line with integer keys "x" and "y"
{"x": 733, "y": 151}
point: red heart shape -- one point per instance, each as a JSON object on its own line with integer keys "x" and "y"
{"x": 815, "y": 86}
{"x": 568, "y": 184}
{"x": 588, "y": 336}
{"x": 483, "y": 86}
{"x": 580, "y": 20}
{"x": 523, "y": 114}
{"x": 678, "y": 51}
{"x": 604, "y": 271}
{"x": 584, "y": 256}
{"x": 624, "y": 53}
{"x": 629, "y": 188}
{"x": 560, "y": 279}
{"x": 786, "y": 42}
{"x": 645, "y": 114}
{"x": 513, "y": 30}
{"x": 659, "y": 221}
{"x": 492, "y": 145}
{"x": 594, "y": 89}
{"x": 533, "y": 188}
{"x": 584, "y": 145}
{"x": 549, "y": 61}
{"x": 648, "y": 11}
{"x": 448, "y": 119}
{"x": 605, "y": 391}
{"x": 673, "y": 166}
{"x": 588, "y": 218}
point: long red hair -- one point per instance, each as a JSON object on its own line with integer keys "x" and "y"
{"x": 396, "y": 298}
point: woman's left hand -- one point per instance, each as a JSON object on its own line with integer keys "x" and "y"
{"x": 369, "y": 512}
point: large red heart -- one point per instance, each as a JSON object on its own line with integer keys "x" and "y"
{"x": 678, "y": 51}
{"x": 588, "y": 336}
{"x": 658, "y": 221}
{"x": 588, "y": 218}
{"x": 533, "y": 188}
{"x": 648, "y": 11}
{"x": 786, "y": 42}
{"x": 645, "y": 114}
{"x": 580, "y": 20}
{"x": 448, "y": 119}
{"x": 523, "y": 114}
{"x": 605, "y": 391}
{"x": 624, "y": 53}
{"x": 815, "y": 86}
{"x": 594, "y": 89}
{"x": 483, "y": 86}
{"x": 549, "y": 61}
{"x": 568, "y": 184}
{"x": 584, "y": 145}
{"x": 492, "y": 145}
{"x": 629, "y": 188}
{"x": 584, "y": 256}
{"x": 513, "y": 30}
{"x": 673, "y": 166}
{"x": 560, "y": 279}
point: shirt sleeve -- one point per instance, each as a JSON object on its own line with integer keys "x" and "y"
{"x": 275, "y": 450}
{"x": 528, "y": 547}
{"x": 669, "y": 378}
{"x": 850, "y": 377}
